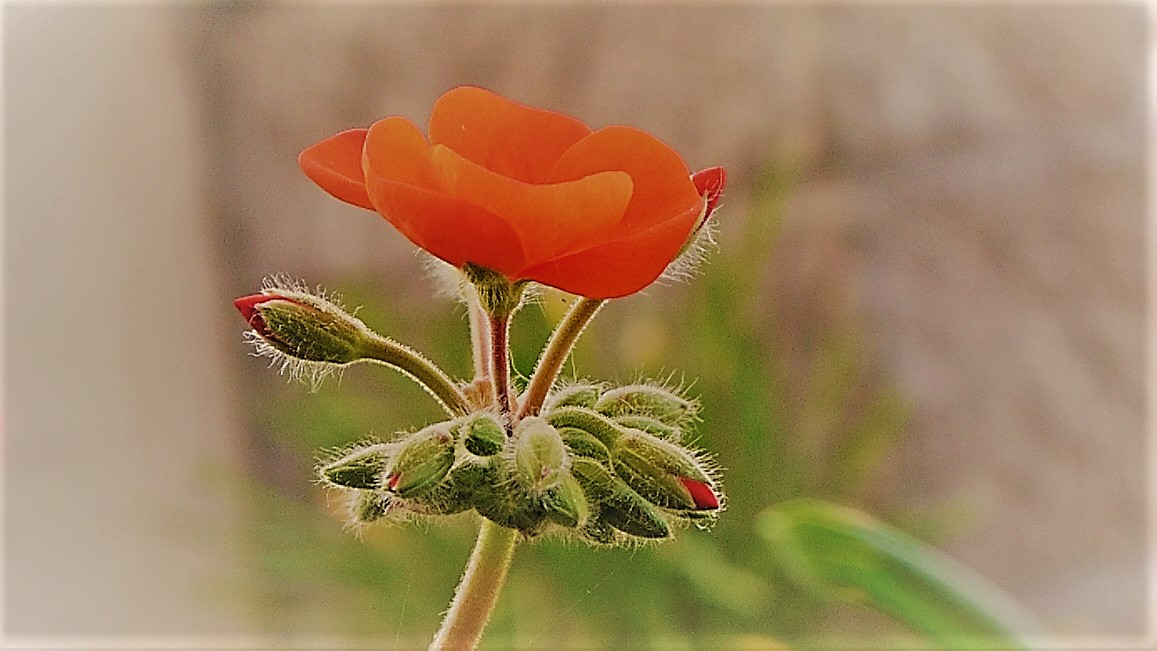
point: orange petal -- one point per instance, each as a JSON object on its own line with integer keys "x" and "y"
{"x": 335, "y": 164}
{"x": 621, "y": 267}
{"x": 448, "y": 228}
{"x": 550, "y": 219}
{"x": 511, "y": 139}
{"x": 663, "y": 187}
{"x": 394, "y": 151}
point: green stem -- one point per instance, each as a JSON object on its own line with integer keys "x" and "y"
{"x": 478, "y": 592}
{"x": 427, "y": 374}
{"x": 554, "y": 355}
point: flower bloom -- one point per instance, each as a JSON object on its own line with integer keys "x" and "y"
{"x": 526, "y": 192}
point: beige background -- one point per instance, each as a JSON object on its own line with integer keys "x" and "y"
{"x": 971, "y": 193}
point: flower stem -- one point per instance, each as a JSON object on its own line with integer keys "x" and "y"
{"x": 500, "y": 364}
{"x": 486, "y": 572}
{"x": 427, "y": 374}
{"x": 477, "y": 593}
{"x": 479, "y": 335}
{"x": 554, "y": 355}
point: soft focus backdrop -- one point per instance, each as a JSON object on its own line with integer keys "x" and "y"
{"x": 936, "y": 221}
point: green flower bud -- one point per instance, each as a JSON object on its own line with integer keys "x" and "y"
{"x": 305, "y": 327}
{"x": 514, "y": 509}
{"x": 483, "y": 435}
{"x": 664, "y": 473}
{"x": 455, "y": 493}
{"x": 646, "y": 400}
{"x": 421, "y": 461}
{"x": 618, "y": 505}
{"x": 540, "y": 457}
{"x": 566, "y": 504}
{"x": 584, "y": 444}
{"x": 604, "y": 429}
{"x": 361, "y": 468}
{"x": 652, "y": 426}
{"x": 574, "y": 395}
{"x": 369, "y": 506}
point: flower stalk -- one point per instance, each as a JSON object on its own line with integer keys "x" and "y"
{"x": 478, "y": 592}
{"x": 561, "y": 343}
{"x": 412, "y": 364}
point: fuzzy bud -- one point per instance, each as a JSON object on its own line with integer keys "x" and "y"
{"x": 304, "y": 326}
{"x": 665, "y": 474}
{"x": 604, "y": 429}
{"x": 368, "y": 506}
{"x": 540, "y": 457}
{"x": 483, "y": 435}
{"x": 584, "y": 444}
{"x": 652, "y": 426}
{"x": 575, "y": 395}
{"x": 618, "y": 505}
{"x": 457, "y": 492}
{"x": 362, "y": 468}
{"x": 421, "y": 461}
{"x": 645, "y": 400}
{"x": 565, "y": 503}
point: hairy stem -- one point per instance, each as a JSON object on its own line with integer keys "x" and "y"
{"x": 500, "y": 364}
{"x": 426, "y": 373}
{"x": 478, "y": 592}
{"x": 479, "y": 336}
{"x": 554, "y": 355}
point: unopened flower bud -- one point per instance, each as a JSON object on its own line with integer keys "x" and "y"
{"x": 455, "y": 493}
{"x": 710, "y": 183}
{"x": 645, "y": 400}
{"x": 483, "y": 435}
{"x": 368, "y": 506}
{"x": 566, "y": 503}
{"x": 618, "y": 505}
{"x": 304, "y": 326}
{"x": 575, "y": 395}
{"x": 584, "y": 444}
{"x": 652, "y": 426}
{"x": 513, "y": 509}
{"x": 362, "y": 468}
{"x": 664, "y": 473}
{"x": 421, "y": 461}
{"x": 604, "y": 429}
{"x": 540, "y": 457}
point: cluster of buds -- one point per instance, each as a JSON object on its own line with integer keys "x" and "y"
{"x": 606, "y": 466}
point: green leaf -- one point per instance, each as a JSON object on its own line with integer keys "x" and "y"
{"x": 839, "y": 552}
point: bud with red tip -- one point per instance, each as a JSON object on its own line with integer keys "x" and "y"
{"x": 422, "y": 460}
{"x": 664, "y": 473}
{"x": 305, "y": 327}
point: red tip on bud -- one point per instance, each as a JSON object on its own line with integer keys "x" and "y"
{"x": 247, "y": 306}
{"x": 710, "y": 183}
{"x": 704, "y": 498}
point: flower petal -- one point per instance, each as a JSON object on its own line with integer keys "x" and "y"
{"x": 335, "y": 164}
{"x": 620, "y": 267}
{"x": 451, "y": 229}
{"x": 663, "y": 187}
{"x": 550, "y": 219}
{"x": 394, "y": 149}
{"x": 505, "y": 137}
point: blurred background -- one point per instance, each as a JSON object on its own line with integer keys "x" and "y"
{"x": 928, "y": 303}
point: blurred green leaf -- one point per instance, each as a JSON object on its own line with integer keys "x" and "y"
{"x": 843, "y": 553}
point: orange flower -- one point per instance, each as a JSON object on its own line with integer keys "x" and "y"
{"x": 529, "y": 193}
